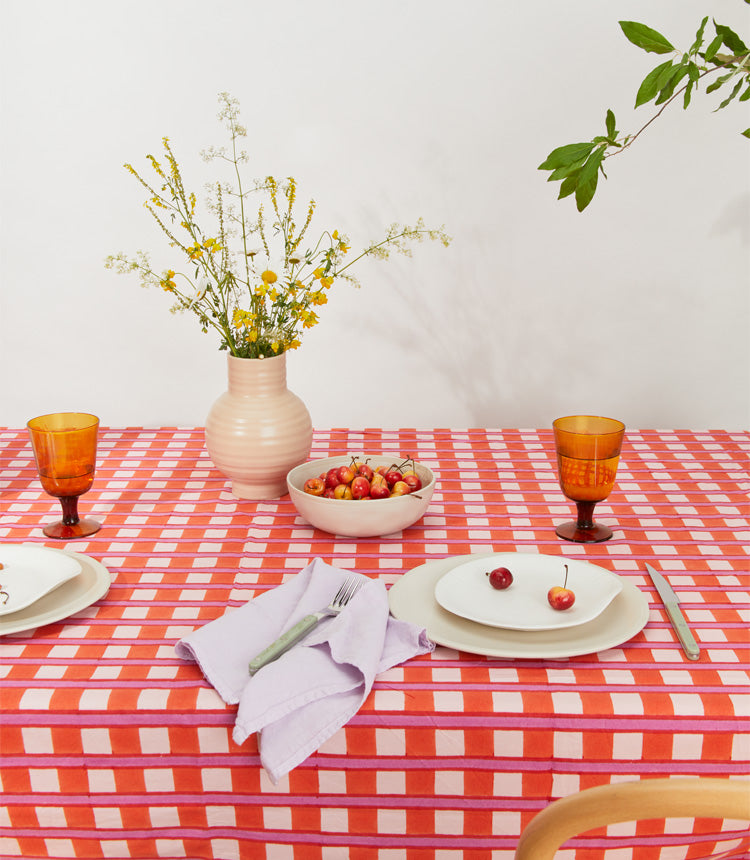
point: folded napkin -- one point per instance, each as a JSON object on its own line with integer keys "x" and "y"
{"x": 297, "y": 702}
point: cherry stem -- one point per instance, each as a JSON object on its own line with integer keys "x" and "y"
{"x": 565, "y": 584}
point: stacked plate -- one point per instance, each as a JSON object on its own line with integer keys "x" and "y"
{"x": 39, "y": 585}
{"x": 454, "y": 601}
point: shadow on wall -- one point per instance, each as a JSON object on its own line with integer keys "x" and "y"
{"x": 735, "y": 218}
{"x": 473, "y": 340}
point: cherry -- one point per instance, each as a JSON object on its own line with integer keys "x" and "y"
{"x": 413, "y": 481}
{"x": 500, "y": 578}
{"x": 561, "y": 597}
{"x": 315, "y": 486}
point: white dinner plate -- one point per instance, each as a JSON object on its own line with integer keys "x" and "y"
{"x": 412, "y": 598}
{"x": 91, "y": 584}
{"x": 29, "y": 572}
{"x": 466, "y": 591}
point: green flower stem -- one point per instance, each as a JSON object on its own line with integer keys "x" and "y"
{"x": 256, "y": 315}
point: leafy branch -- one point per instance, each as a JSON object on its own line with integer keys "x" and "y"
{"x": 577, "y": 165}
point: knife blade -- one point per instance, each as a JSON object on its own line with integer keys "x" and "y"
{"x": 672, "y": 604}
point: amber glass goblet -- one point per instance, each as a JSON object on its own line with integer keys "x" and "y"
{"x": 64, "y": 446}
{"x": 588, "y": 450}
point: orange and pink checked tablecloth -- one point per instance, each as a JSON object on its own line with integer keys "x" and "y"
{"x": 112, "y": 747}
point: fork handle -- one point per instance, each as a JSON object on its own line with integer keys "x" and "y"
{"x": 284, "y": 642}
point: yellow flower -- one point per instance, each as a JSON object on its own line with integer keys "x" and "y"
{"x": 167, "y": 282}
{"x": 269, "y": 277}
{"x": 242, "y": 318}
{"x": 318, "y": 273}
{"x": 326, "y": 282}
{"x": 309, "y": 318}
{"x": 212, "y": 246}
{"x": 294, "y": 344}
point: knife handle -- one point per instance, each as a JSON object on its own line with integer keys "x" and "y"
{"x": 284, "y": 642}
{"x": 689, "y": 645}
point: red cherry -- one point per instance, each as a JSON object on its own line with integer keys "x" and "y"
{"x": 393, "y": 476}
{"x": 413, "y": 481}
{"x": 360, "y": 487}
{"x": 379, "y": 490}
{"x": 500, "y": 578}
{"x": 365, "y": 470}
{"x": 314, "y": 486}
{"x": 332, "y": 478}
{"x": 346, "y": 474}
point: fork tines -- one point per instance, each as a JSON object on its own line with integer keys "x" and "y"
{"x": 346, "y": 592}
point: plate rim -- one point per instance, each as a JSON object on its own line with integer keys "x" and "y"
{"x": 564, "y": 623}
{"x": 504, "y": 650}
{"x": 76, "y": 602}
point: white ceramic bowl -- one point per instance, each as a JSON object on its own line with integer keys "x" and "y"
{"x": 358, "y": 518}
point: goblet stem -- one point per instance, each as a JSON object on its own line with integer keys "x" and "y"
{"x": 70, "y": 510}
{"x": 585, "y": 514}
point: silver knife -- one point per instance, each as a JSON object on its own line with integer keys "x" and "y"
{"x": 672, "y": 605}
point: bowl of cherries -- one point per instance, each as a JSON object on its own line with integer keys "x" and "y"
{"x": 361, "y": 496}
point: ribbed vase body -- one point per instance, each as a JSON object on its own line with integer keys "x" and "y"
{"x": 258, "y": 429}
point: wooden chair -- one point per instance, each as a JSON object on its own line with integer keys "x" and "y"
{"x": 699, "y": 797}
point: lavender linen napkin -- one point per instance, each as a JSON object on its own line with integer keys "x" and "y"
{"x": 297, "y": 702}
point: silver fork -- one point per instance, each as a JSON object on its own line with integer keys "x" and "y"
{"x": 304, "y": 626}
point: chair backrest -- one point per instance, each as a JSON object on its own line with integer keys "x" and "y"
{"x": 693, "y": 797}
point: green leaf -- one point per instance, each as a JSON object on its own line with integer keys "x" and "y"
{"x": 562, "y": 172}
{"x": 585, "y": 193}
{"x": 646, "y": 38}
{"x": 746, "y": 132}
{"x": 587, "y": 179}
{"x": 711, "y": 50}
{"x": 592, "y": 165}
{"x": 666, "y": 93}
{"x": 731, "y": 39}
{"x": 737, "y": 88}
{"x": 611, "y": 127}
{"x": 746, "y": 95}
{"x": 568, "y": 186}
{"x": 566, "y": 155}
{"x": 718, "y": 82}
{"x": 699, "y": 36}
{"x": 694, "y": 75}
{"x": 649, "y": 88}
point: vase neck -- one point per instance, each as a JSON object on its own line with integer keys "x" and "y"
{"x": 256, "y": 376}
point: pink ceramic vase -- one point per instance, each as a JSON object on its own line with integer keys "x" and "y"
{"x": 258, "y": 429}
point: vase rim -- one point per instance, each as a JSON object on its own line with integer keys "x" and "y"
{"x": 254, "y": 358}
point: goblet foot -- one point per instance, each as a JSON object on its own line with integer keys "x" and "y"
{"x": 70, "y": 531}
{"x": 594, "y": 533}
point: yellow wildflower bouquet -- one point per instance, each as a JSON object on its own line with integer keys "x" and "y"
{"x": 259, "y": 297}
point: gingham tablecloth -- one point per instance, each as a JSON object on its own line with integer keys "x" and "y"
{"x": 112, "y": 747}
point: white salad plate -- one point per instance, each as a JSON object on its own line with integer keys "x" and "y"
{"x": 412, "y": 598}
{"x": 79, "y": 582}
{"x": 29, "y": 572}
{"x": 466, "y": 591}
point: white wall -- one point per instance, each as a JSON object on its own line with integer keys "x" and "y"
{"x": 638, "y": 308}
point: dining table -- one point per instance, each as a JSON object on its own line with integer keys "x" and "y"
{"x": 115, "y": 746}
